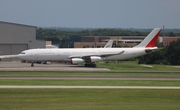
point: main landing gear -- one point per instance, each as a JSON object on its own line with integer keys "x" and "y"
{"x": 32, "y": 64}
{"x": 90, "y": 65}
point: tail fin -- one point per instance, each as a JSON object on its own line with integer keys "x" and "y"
{"x": 109, "y": 44}
{"x": 150, "y": 40}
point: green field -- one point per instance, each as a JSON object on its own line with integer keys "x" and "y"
{"x": 126, "y": 73}
{"x": 91, "y": 82}
{"x": 133, "y": 65}
{"x": 94, "y": 99}
{"x": 89, "y": 99}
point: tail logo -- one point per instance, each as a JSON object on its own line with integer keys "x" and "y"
{"x": 153, "y": 41}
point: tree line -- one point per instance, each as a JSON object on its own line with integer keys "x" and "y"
{"x": 64, "y": 38}
{"x": 57, "y": 35}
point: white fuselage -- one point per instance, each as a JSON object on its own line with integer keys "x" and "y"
{"x": 64, "y": 54}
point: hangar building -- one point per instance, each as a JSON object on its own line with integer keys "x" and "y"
{"x": 15, "y": 38}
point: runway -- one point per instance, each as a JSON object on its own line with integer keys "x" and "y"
{"x": 18, "y": 66}
{"x": 91, "y": 77}
{"x": 87, "y": 87}
{"x": 14, "y": 66}
{"x": 25, "y": 67}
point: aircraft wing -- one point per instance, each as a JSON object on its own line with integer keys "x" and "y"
{"x": 100, "y": 55}
{"x": 8, "y": 56}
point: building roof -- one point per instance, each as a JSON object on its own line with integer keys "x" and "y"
{"x": 17, "y": 24}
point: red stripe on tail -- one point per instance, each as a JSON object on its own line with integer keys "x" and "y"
{"x": 153, "y": 41}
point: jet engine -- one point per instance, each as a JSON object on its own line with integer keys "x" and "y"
{"x": 94, "y": 59}
{"x": 76, "y": 61}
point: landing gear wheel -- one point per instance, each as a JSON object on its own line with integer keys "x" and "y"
{"x": 94, "y": 65}
{"x": 32, "y": 64}
{"x": 90, "y": 65}
{"x": 86, "y": 65}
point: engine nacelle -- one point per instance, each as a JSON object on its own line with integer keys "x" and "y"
{"x": 95, "y": 59}
{"x": 76, "y": 61}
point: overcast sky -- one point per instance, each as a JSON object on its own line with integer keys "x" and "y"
{"x": 92, "y": 13}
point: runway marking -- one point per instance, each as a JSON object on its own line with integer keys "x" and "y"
{"x": 90, "y": 77}
{"x": 88, "y": 87}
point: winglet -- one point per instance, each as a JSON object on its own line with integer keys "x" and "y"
{"x": 150, "y": 40}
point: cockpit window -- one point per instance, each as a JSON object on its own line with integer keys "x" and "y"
{"x": 22, "y": 52}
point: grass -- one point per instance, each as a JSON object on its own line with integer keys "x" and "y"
{"x": 91, "y": 82}
{"x": 88, "y": 99}
{"x": 96, "y": 99}
{"x": 133, "y": 65}
{"x": 150, "y": 74}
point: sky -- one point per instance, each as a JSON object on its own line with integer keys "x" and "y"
{"x": 92, "y": 13}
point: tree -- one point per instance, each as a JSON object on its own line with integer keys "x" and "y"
{"x": 169, "y": 55}
{"x": 172, "y": 52}
{"x": 152, "y": 58}
{"x": 171, "y": 34}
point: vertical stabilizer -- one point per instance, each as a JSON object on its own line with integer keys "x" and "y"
{"x": 150, "y": 40}
{"x": 109, "y": 44}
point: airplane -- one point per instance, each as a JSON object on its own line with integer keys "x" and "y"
{"x": 89, "y": 55}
